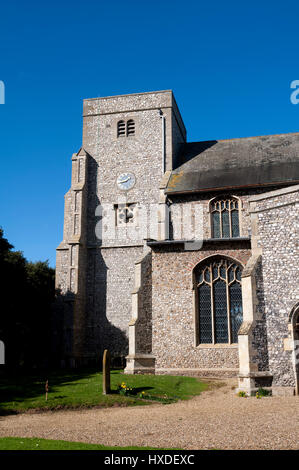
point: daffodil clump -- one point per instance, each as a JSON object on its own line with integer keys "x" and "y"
{"x": 123, "y": 389}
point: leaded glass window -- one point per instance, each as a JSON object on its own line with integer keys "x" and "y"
{"x": 225, "y": 218}
{"x": 220, "y": 313}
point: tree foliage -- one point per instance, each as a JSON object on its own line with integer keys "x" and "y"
{"x": 27, "y": 294}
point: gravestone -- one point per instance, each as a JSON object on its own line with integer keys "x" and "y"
{"x": 2, "y": 353}
{"x": 106, "y": 372}
{"x": 47, "y": 389}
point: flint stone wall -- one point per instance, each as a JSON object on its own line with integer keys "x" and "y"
{"x": 111, "y": 262}
{"x": 173, "y": 317}
{"x": 277, "y": 281}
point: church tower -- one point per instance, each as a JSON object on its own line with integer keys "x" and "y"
{"x": 130, "y": 145}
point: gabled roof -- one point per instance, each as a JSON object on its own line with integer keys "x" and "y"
{"x": 236, "y": 163}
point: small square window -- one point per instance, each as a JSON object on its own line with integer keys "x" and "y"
{"x": 125, "y": 214}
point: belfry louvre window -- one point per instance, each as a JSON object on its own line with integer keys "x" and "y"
{"x": 130, "y": 127}
{"x": 125, "y": 128}
{"x": 225, "y": 218}
{"x": 121, "y": 129}
{"x": 219, "y": 299}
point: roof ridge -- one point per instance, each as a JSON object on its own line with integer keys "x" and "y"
{"x": 243, "y": 138}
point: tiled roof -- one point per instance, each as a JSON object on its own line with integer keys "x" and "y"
{"x": 237, "y": 163}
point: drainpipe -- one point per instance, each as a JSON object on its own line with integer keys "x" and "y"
{"x": 163, "y": 140}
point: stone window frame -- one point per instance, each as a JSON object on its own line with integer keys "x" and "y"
{"x": 196, "y": 339}
{"x": 240, "y": 212}
{"x": 131, "y": 207}
{"x": 126, "y": 120}
{"x": 290, "y": 342}
{"x": 293, "y": 316}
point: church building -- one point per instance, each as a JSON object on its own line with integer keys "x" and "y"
{"x": 181, "y": 257}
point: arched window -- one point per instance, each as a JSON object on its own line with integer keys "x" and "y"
{"x": 130, "y": 127}
{"x": 294, "y": 323}
{"x": 225, "y": 218}
{"x": 219, "y": 305}
{"x": 121, "y": 129}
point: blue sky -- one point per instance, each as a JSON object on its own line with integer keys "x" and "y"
{"x": 230, "y": 65}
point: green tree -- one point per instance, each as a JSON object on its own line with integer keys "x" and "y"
{"x": 27, "y": 293}
{"x": 40, "y": 296}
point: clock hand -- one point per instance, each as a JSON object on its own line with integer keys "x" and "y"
{"x": 125, "y": 180}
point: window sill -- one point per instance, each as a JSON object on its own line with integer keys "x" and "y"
{"x": 217, "y": 346}
{"x": 153, "y": 243}
{"x": 228, "y": 239}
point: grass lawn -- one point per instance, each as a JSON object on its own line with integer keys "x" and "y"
{"x": 83, "y": 388}
{"x": 26, "y": 443}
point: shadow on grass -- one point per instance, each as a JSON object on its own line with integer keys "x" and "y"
{"x": 8, "y": 412}
{"x": 17, "y": 386}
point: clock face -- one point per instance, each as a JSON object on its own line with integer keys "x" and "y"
{"x": 126, "y": 181}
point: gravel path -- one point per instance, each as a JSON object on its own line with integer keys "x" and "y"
{"x": 215, "y": 419}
